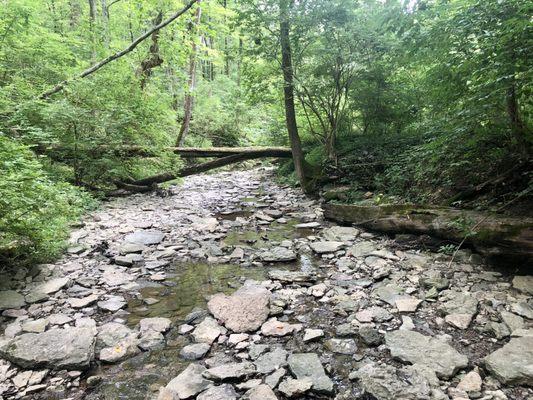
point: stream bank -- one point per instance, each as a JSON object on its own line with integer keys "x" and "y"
{"x": 326, "y": 312}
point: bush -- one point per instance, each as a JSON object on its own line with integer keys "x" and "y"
{"x": 35, "y": 211}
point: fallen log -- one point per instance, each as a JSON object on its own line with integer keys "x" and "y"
{"x": 185, "y": 152}
{"x": 204, "y": 167}
{"x": 490, "y": 234}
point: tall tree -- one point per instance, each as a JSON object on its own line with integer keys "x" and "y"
{"x": 189, "y": 95}
{"x": 288, "y": 91}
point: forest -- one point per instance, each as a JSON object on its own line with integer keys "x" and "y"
{"x": 266, "y": 199}
{"x": 423, "y": 101}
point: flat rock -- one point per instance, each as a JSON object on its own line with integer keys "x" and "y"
{"x": 82, "y": 302}
{"x": 145, "y": 237}
{"x": 407, "y": 304}
{"x": 69, "y": 348}
{"x": 261, "y": 392}
{"x": 187, "y": 384}
{"x": 457, "y": 303}
{"x": 155, "y": 324}
{"x": 435, "y": 354}
{"x": 523, "y": 283}
{"x": 113, "y": 333}
{"x": 244, "y": 311}
{"x": 113, "y": 303}
{"x": 385, "y": 382}
{"x": 11, "y": 299}
{"x": 290, "y": 276}
{"x": 461, "y": 321}
{"x": 230, "y": 371}
{"x": 326, "y": 247}
{"x": 52, "y": 286}
{"x": 195, "y": 351}
{"x": 362, "y": 249}
{"x": 308, "y": 365}
{"x": 313, "y": 334}
{"x": 295, "y": 387}
{"x": 342, "y": 346}
{"x": 222, "y": 392}
{"x": 271, "y": 361}
{"x": 273, "y": 327}
{"x": 277, "y": 254}
{"x": 513, "y": 363}
{"x": 340, "y": 233}
{"x": 208, "y": 331}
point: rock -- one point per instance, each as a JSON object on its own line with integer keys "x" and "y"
{"x": 370, "y": 336}
{"x": 326, "y": 247}
{"x": 457, "y": 303}
{"x": 145, "y": 237}
{"x": 434, "y": 280}
{"x": 461, "y": 321}
{"x": 342, "y": 346}
{"x": 308, "y": 365}
{"x": 274, "y": 378}
{"x": 295, "y": 387}
{"x": 523, "y": 309}
{"x": 129, "y": 260}
{"x": 407, "y": 304}
{"x": 308, "y": 225}
{"x": 390, "y": 293}
{"x": 21, "y": 379}
{"x": 69, "y": 348}
{"x": 208, "y": 331}
{"x": 385, "y": 382}
{"x": 471, "y": 382}
{"x": 340, "y": 233}
{"x": 130, "y": 248}
{"x": 230, "y": 371}
{"x": 513, "y": 321}
{"x": 222, "y": 392}
{"x": 113, "y": 333}
{"x": 10, "y": 299}
{"x": 156, "y": 324}
{"x": 83, "y": 302}
{"x": 277, "y": 254}
{"x": 52, "y": 286}
{"x": 362, "y": 249}
{"x": 435, "y": 354}
{"x": 244, "y": 311}
{"x": 290, "y": 276}
{"x": 121, "y": 351}
{"x": 313, "y": 334}
{"x": 271, "y": 361}
{"x": 523, "y": 283}
{"x": 512, "y": 364}
{"x": 187, "y": 384}
{"x": 261, "y": 392}
{"x": 195, "y": 351}
{"x": 113, "y": 303}
{"x": 36, "y": 326}
{"x": 273, "y": 327}
{"x": 59, "y": 319}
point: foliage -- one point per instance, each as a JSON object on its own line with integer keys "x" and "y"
{"x": 35, "y": 210}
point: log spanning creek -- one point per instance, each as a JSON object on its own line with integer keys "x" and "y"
{"x": 233, "y": 287}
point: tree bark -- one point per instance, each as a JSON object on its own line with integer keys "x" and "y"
{"x": 490, "y": 234}
{"x": 59, "y": 87}
{"x": 518, "y": 128}
{"x": 154, "y": 60}
{"x": 288, "y": 90}
{"x": 189, "y": 96}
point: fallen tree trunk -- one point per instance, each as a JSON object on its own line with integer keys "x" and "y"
{"x": 207, "y": 166}
{"x": 491, "y": 235}
{"x": 185, "y": 152}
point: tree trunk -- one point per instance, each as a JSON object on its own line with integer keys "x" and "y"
{"x": 154, "y": 60}
{"x": 105, "y": 22}
{"x": 518, "y": 128}
{"x": 189, "y": 96}
{"x": 288, "y": 90}
{"x": 490, "y": 234}
{"x": 92, "y": 26}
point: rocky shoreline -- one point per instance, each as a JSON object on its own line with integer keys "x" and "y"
{"x": 338, "y": 313}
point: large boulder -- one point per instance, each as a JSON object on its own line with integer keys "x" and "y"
{"x": 435, "y": 354}
{"x": 244, "y": 311}
{"x": 69, "y": 348}
{"x": 513, "y": 363}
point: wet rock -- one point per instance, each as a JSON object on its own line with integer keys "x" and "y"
{"x": 326, "y": 247}
{"x": 313, "y": 334}
{"x": 278, "y": 254}
{"x": 151, "y": 340}
{"x": 261, "y": 392}
{"x": 208, "y": 331}
{"x": 125, "y": 349}
{"x": 244, "y": 311}
{"x": 273, "y": 327}
{"x": 435, "y": 354}
{"x": 385, "y": 382}
{"x": 145, "y": 237}
{"x": 222, "y": 392}
{"x": 195, "y": 351}
{"x": 512, "y": 364}
{"x": 290, "y": 276}
{"x": 69, "y": 348}
{"x": 113, "y": 333}
{"x": 230, "y": 371}
{"x": 308, "y": 365}
{"x": 271, "y": 361}
{"x": 186, "y": 385}
{"x": 340, "y": 233}
{"x": 11, "y": 299}
{"x": 523, "y": 283}
{"x": 113, "y": 303}
{"x": 342, "y": 346}
{"x": 295, "y": 387}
